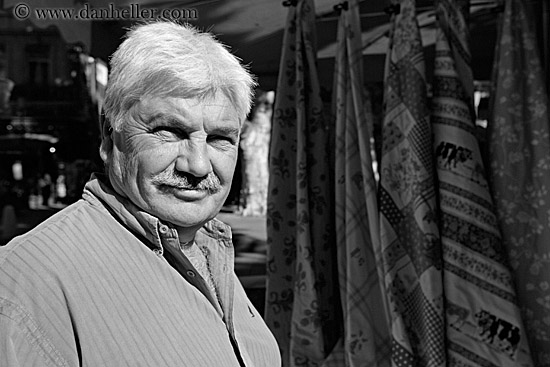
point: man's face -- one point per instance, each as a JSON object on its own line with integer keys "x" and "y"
{"x": 175, "y": 157}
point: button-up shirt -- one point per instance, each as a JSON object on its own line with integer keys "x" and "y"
{"x": 103, "y": 283}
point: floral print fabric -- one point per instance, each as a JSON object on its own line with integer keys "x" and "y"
{"x": 302, "y": 301}
{"x": 519, "y": 144}
{"x": 444, "y": 256}
{"x": 366, "y": 333}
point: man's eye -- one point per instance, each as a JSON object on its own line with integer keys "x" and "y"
{"x": 221, "y": 139}
{"x": 167, "y": 131}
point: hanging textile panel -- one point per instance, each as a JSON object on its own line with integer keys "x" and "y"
{"x": 302, "y": 300}
{"x": 408, "y": 221}
{"x": 484, "y": 326}
{"x": 366, "y": 334}
{"x": 519, "y": 144}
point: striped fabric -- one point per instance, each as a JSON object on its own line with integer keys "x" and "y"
{"x": 88, "y": 287}
{"x": 484, "y": 327}
{"x": 366, "y": 333}
{"x": 408, "y": 221}
{"x": 519, "y": 145}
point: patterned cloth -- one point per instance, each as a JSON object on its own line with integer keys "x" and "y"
{"x": 519, "y": 147}
{"x": 366, "y": 333}
{"x": 302, "y": 301}
{"x": 484, "y": 326}
{"x": 408, "y": 222}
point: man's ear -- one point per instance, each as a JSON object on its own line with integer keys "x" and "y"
{"x": 106, "y": 146}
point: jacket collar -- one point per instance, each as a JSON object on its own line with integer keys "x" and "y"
{"x": 139, "y": 221}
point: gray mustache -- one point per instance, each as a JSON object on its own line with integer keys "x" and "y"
{"x": 210, "y": 183}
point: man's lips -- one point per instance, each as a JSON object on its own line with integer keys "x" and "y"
{"x": 185, "y": 193}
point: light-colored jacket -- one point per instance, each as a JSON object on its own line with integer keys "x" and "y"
{"x": 91, "y": 286}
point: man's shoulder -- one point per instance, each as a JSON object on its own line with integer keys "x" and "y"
{"x": 63, "y": 230}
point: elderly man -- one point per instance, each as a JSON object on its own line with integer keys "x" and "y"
{"x": 138, "y": 272}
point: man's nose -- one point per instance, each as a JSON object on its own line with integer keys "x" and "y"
{"x": 193, "y": 158}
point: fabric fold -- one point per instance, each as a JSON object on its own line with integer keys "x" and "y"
{"x": 484, "y": 326}
{"x": 302, "y": 300}
{"x": 519, "y": 152}
{"x": 408, "y": 221}
{"x": 366, "y": 333}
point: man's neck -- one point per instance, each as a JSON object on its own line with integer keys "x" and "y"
{"x": 187, "y": 235}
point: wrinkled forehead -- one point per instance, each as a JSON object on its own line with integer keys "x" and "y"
{"x": 209, "y": 111}
{"x": 220, "y": 99}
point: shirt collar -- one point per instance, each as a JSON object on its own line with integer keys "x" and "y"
{"x": 139, "y": 221}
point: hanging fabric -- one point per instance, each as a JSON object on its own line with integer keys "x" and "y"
{"x": 519, "y": 152}
{"x": 302, "y": 300}
{"x": 408, "y": 222}
{"x": 484, "y": 326}
{"x": 366, "y": 338}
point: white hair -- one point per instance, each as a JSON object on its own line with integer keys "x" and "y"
{"x": 169, "y": 59}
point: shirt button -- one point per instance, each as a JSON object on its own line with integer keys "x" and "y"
{"x": 163, "y": 229}
{"x": 191, "y": 273}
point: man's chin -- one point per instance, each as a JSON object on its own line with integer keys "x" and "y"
{"x": 187, "y": 221}
{"x": 189, "y": 213}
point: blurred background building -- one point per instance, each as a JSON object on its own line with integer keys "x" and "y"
{"x": 50, "y": 91}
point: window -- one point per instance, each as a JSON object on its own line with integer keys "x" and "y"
{"x": 38, "y": 58}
